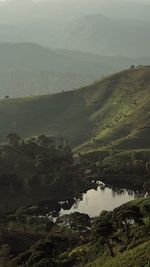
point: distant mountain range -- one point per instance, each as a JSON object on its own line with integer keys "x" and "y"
{"x": 92, "y": 33}
{"x": 96, "y": 33}
{"x": 29, "y": 69}
{"x": 111, "y": 113}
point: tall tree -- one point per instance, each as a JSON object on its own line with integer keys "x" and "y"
{"x": 103, "y": 230}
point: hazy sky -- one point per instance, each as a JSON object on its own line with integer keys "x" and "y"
{"x": 28, "y": 10}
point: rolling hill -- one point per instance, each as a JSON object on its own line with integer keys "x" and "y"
{"x": 111, "y": 113}
{"x": 29, "y": 69}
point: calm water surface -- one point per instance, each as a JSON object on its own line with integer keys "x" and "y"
{"x": 94, "y": 201}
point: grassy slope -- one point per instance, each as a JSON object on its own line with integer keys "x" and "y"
{"x": 113, "y": 112}
{"x": 66, "y": 113}
{"x": 123, "y": 120}
{"x": 136, "y": 257}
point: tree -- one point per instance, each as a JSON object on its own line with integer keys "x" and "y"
{"x": 146, "y": 187}
{"x": 79, "y": 221}
{"x": 137, "y": 215}
{"x": 13, "y": 139}
{"x": 146, "y": 211}
{"x": 103, "y": 230}
{"x": 125, "y": 217}
{"x": 139, "y": 166}
{"x": 106, "y": 215}
{"x": 21, "y": 215}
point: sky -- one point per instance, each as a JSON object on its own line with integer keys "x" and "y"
{"x": 23, "y": 11}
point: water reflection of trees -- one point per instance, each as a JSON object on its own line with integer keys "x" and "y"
{"x": 67, "y": 205}
{"x": 77, "y": 201}
{"x": 54, "y": 207}
{"x": 119, "y": 191}
{"x": 139, "y": 193}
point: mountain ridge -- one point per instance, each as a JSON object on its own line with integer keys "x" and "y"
{"x": 30, "y": 69}
{"x": 94, "y": 33}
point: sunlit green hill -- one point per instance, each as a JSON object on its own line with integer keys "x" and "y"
{"x": 111, "y": 113}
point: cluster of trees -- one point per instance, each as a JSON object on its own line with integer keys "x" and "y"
{"x": 114, "y": 228}
{"x": 47, "y": 158}
{"x": 31, "y": 219}
{"x": 111, "y": 231}
{"x": 14, "y": 140}
{"x": 135, "y": 167}
{"x": 38, "y": 220}
{"x": 133, "y": 163}
{"x": 41, "y": 165}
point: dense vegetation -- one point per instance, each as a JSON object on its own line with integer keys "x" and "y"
{"x": 38, "y": 168}
{"x": 113, "y": 238}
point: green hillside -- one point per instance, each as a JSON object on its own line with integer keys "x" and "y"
{"x": 136, "y": 257}
{"x": 111, "y": 113}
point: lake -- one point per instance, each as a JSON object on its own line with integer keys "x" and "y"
{"x": 94, "y": 201}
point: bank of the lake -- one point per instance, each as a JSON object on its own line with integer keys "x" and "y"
{"x": 133, "y": 182}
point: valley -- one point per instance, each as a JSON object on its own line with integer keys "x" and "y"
{"x": 95, "y": 141}
{"x": 74, "y": 133}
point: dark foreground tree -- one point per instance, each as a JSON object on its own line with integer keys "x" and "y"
{"x": 102, "y": 230}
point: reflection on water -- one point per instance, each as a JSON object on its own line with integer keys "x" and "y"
{"x": 93, "y": 202}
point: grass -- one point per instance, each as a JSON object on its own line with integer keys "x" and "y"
{"x": 136, "y": 257}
